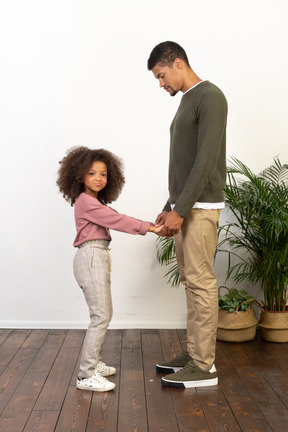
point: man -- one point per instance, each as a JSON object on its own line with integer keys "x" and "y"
{"x": 197, "y": 176}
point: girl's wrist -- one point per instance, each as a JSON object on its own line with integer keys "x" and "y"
{"x": 151, "y": 228}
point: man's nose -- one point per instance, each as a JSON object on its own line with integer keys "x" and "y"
{"x": 161, "y": 82}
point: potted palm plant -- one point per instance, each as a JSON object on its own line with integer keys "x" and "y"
{"x": 256, "y": 239}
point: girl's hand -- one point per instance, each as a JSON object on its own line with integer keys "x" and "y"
{"x": 156, "y": 229}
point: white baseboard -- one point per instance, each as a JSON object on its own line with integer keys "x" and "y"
{"x": 84, "y": 325}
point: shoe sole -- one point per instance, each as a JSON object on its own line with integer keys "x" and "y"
{"x": 167, "y": 369}
{"x": 190, "y": 384}
{"x": 94, "y": 389}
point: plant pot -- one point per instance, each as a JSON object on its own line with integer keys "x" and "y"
{"x": 274, "y": 326}
{"x": 237, "y": 326}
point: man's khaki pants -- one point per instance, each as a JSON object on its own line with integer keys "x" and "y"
{"x": 195, "y": 248}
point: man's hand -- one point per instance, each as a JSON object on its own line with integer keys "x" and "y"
{"x": 172, "y": 223}
{"x": 161, "y": 218}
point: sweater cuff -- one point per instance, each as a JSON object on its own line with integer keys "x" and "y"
{"x": 167, "y": 207}
{"x": 182, "y": 212}
{"x": 144, "y": 228}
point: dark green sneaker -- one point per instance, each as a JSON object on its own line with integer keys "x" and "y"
{"x": 175, "y": 364}
{"x": 191, "y": 376}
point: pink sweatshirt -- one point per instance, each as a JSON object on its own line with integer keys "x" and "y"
{"x": 94, "y": 219}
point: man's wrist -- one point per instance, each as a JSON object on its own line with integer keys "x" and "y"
{"x": 177, "y": 214}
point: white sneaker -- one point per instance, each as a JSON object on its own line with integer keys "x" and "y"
{"x": 104, "y": 370}
{"x": 95, "y": 383}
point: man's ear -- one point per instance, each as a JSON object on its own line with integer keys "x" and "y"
{"x": 178, "y": 63}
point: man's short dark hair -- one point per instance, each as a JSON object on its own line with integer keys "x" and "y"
{"x": 165, "y": 53}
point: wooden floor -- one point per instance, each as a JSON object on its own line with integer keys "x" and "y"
{"x": 38, "y": 370}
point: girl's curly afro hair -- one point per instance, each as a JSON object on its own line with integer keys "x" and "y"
{"x": 76, "y": 164}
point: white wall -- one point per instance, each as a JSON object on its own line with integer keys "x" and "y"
{"x": 73, "y": 72}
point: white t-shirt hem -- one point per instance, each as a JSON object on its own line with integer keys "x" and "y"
{"x": 206, "y": 206}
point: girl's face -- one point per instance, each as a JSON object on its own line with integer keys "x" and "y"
{"x": 96, "y": 178}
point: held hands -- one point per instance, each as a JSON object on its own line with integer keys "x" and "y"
{"x": 161, "y": 218}
{"x": 169, "y": 222}
{"x": 156, "y": 229}
{"x": 159, "y": 224}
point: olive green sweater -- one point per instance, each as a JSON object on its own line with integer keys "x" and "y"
{"x": 197, "y": 167}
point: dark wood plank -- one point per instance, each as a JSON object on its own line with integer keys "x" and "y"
{"x": 53, "y": 393}
{"x": 160, "y": 410}
{"x": 228, "y": 378}
{"x": 13, "y": 374}
{"x": 188, "y": 410}
{"x": 104, "y": 409}
{"x": 275, "y": 352}
{"x": 249, "y": 417}
{"x": 111, "y": 349}
{"x": 260, "y": 356}
{"x": 4, "y": 333}
{"x": 12, "y": 344}
{"x": 75, "y": 411}
{"x": 271, "y": 406}
{"x": 35, "y": 339}
{"x": 285, "y": 347}
{"x": 149, "y": 331}
{"x": 74, "y": 339}
{"x": 42, "y": 421}
{"x": 76, "y": 369}
{"x": 217, "y": 410}
{"x": 170, "y": 344}
{"x": 132, "y": 404}
{"x": 131, "y": 339}
{"x": 59, "y": 332}
{"x": 22, "y": 402}
{"x": 182, "y": 335}
{"x": 245, "y": 410}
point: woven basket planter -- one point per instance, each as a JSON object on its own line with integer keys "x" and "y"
{"x": 239, "y": 326}
{"x": 274, "y": 326}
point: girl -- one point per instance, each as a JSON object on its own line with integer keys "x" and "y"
{"x": 90, "y": 179}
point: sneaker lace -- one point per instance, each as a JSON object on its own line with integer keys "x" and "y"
{"x": 182, "y": 354}
{"x": 186, "y": 368}
{"x": 101, "y": 366}
{"x": 97, "y": 377}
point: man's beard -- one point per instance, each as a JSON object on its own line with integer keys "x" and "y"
{"x": 174, "y": 92}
